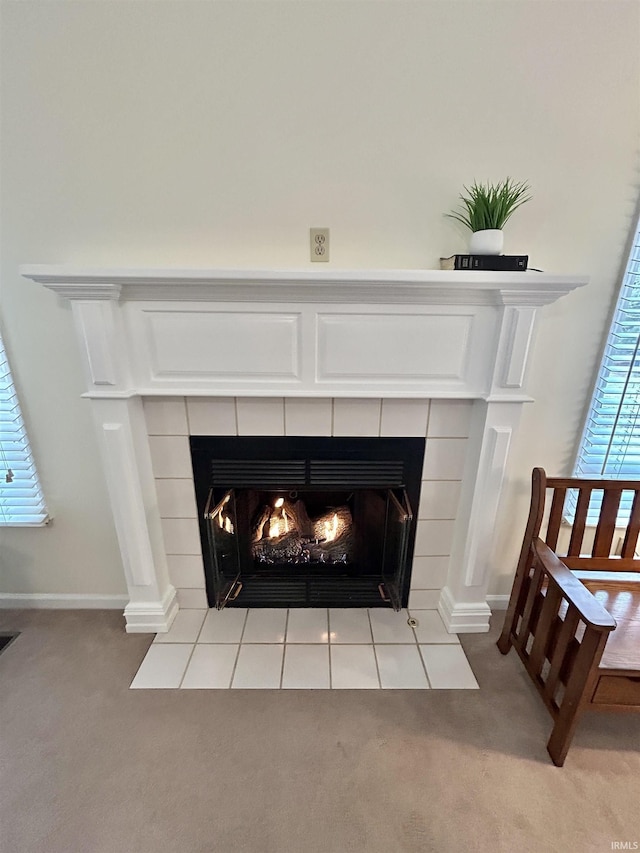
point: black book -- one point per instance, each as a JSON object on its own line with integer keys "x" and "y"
{"x": 504, "y": 263}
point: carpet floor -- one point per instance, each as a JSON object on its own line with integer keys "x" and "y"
{"x": 90, "y": 766}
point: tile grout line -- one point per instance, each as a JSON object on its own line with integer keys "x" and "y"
{"x": 373, "y": 646}
{"x": 284, "y": 648}
{"x": 424, "y": 666}
{"x": 193, "y": 648}
{"x": 235, "y": 663}
{"x": 329, "y": 646}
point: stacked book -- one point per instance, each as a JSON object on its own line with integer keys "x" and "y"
{"x": 504, "y": 263}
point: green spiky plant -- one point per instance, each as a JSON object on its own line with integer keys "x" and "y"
{"x": 490, "y": 205}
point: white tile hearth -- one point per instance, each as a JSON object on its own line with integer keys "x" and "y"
{"x": 223, "y": 626}
{"x": 308, "y": 625}
{"x": 431, "y": 629}
{"x": 268, "y": 625}
{"x": 447, "y": 667}
{"x": 185, "y": 629}
{"x": 306, "y": 649}
{"x": 354, "y": 668}
{"x": 210, "y": 667}
{"x": 259, "y": 666}
{"x": 390, "y": 627}
{"x": 349, "y": 625}
{"x": 401, "y": 667}
{"x": 306, "y": 667}
{"x": 163, "y": 666}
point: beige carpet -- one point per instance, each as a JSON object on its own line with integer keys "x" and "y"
{"x": 90, "y": 766}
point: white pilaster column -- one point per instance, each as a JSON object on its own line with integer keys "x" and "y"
{"x": 122, "y": 434}
{"x": 463, "y": 601}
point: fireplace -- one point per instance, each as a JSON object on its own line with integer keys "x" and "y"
{"x": 307, "y": 522}
{"x": 364, "y": 338}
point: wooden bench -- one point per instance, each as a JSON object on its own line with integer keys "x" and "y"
{"x": 574, "y": 617}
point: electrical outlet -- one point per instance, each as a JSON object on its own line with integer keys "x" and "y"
{"x": 319, "y": 244}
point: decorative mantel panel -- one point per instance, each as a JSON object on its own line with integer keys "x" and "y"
{"x": 299, "y": 333}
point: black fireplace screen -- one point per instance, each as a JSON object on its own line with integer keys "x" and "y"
{"x": 297, "y": 522}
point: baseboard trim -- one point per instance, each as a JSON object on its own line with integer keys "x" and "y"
{"x": 60, "y": 601}
{"x": 152, "y": 617}
{"x": 463, "y": 617}
{"x": 498, "y": 602}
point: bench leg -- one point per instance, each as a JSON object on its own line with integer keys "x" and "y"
{"x": 504, "y": 643}
{"x": 561, "y": 737}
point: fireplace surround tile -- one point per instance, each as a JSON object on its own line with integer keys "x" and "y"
{"x": 356, "y": 418}
{"x": 433, "y": 538}
{"x": 308, "y": 416}
{"x": 444, "y": 458}
{"x": 260, "y": 415}
{"x": 450, "y": 419}
{"x": 424, "y": 599}
{"x": 212, "y": 416}
{"x": 170, "y": 456}
{"x": 439, "y": 499}
{"x": 444, "y": 461}
{"x": 181, "y": 536}
{"x": 429, "y": 572}
{"x": 192, "y": 599}
{"x": 404, "y": 418}
{"x": 176, "y": 498}
{"x": 166, "y": 416}
{"x": 185, "y": 570}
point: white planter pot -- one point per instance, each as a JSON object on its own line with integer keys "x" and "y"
{"x": 488, "y": 242}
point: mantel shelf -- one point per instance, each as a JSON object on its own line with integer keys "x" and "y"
{"x": 305, "y": 285}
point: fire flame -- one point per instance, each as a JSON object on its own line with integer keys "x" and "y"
{"x": 331, "y": 528}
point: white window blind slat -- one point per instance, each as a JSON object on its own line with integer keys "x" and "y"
{"x": 21, "y": 498}
{"x": 610, "y": 446}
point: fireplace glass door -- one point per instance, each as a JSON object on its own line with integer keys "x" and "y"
{"x": 306, "y": 522}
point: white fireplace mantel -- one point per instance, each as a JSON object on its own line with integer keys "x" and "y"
{"x": 302, "y": 333}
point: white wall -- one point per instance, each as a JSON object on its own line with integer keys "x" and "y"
{"x": 215, "y": 134}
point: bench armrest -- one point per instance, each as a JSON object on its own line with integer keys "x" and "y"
{"x": 590, "y": 610}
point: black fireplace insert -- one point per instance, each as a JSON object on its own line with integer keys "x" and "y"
{"x": 307, "y": 522}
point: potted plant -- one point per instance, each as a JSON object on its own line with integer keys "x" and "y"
{"x": 485, "y": 209}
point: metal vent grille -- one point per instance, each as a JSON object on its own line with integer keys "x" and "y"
{"x": 263, "y": 473}
{"x": 354, "y": 473}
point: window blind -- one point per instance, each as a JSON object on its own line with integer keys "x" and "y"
{"x": 610, "y": 446}
{"x": 21, "y": 499}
